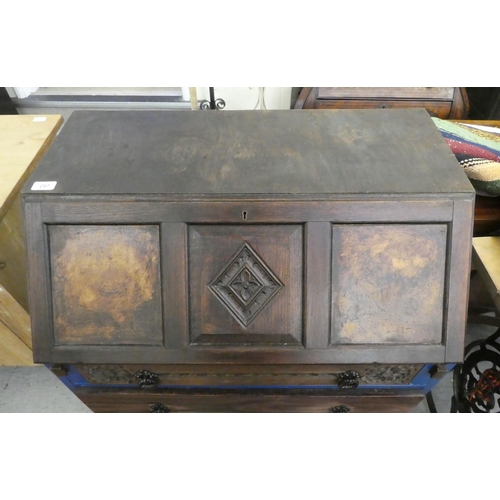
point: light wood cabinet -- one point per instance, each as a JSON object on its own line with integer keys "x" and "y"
{"x": 23, "y": 141}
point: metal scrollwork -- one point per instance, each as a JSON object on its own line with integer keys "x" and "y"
{"x": 212, "y": 103}
{"x": 485, "y": 389}
{"x": 220, "y": 103}
{"x": 477, "y": 381}
{"x": 158, "y": 408}
{"x": 348, "y": 380}
{"x": 147, "y": 380}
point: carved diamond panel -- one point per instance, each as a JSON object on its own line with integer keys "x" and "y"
{"x": 245, "y": 285}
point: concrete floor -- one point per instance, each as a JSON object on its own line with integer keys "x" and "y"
{"x": 35, "y": 389}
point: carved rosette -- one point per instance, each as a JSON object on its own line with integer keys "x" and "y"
{"x": 245, "y": 285}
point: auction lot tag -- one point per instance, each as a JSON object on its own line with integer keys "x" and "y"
{"x": 44, "y": 186}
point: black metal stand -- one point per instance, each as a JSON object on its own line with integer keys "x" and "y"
{"x": 213, "y": 103}
{"x": 476, "y": 382}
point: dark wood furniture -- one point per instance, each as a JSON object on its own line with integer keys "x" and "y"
{"x": 7, "y": 107}
{"x": 249, "y": 261}
{"x": 442, "y": 102}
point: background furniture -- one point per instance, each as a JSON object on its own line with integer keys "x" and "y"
{"x": 442, "y": 102}
{"x": 7, "y": 107}
{"x": 484, "y": 103}
{"x": 23, "y": 141}
{"x": 274, "y": 261}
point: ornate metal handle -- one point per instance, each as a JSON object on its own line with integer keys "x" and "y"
{"x": 2, "y": 264}
{"x": 147, "y": 380}
{"x": 158, "y": 408}
{"x": 348, "y": 380}
{"x": 339, "y": 409}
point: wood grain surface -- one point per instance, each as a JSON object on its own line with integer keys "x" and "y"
{"x": 23, "y": 141}
{"x": 388, "y": 284}
{"x": 213, "y": 401}
{"x": 106, "y": 284}
{"x": 309, "y": 152}
{"x": 186, "y": 192}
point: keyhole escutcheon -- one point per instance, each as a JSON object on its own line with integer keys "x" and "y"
{"x": 244, "y": 215}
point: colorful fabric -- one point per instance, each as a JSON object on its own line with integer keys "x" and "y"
{"x": 477, "y": 151}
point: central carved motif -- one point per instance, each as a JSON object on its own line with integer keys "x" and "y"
{"x": 245, "y": 285}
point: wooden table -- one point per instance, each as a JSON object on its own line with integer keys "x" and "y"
{"x": 23, "y": 141}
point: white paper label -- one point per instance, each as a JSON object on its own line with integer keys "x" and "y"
{"x": 44, "y": 186}
{"x": 39, "y": 118}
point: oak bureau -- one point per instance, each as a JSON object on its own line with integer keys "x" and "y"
{"x": 312, "y": 260}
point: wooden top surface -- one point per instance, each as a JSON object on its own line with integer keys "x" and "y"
{"x": 297, "y": 152}
{"x": 23, "y": 140}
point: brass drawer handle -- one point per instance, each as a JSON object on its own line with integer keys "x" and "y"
{"x": 339, "y": 409}
{"x": 2, "y": 265}
{"x": 147, "y": 380}
{"x": 158, "y": 408}
{"x": 348, "y": 380}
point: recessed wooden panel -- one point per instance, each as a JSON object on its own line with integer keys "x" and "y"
{"x": 106, "y": 285}
{"x": 245, "y": 284}
{"x": 388, "y": 284}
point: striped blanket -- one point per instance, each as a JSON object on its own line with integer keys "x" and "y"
{"x": 478, "y": 151}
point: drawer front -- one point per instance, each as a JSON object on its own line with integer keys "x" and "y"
{"x": 244, "y": 375}
{"x": 361, "y": 93}
{"x": 438, "y": 109}
{"x": 273, "y": 401}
